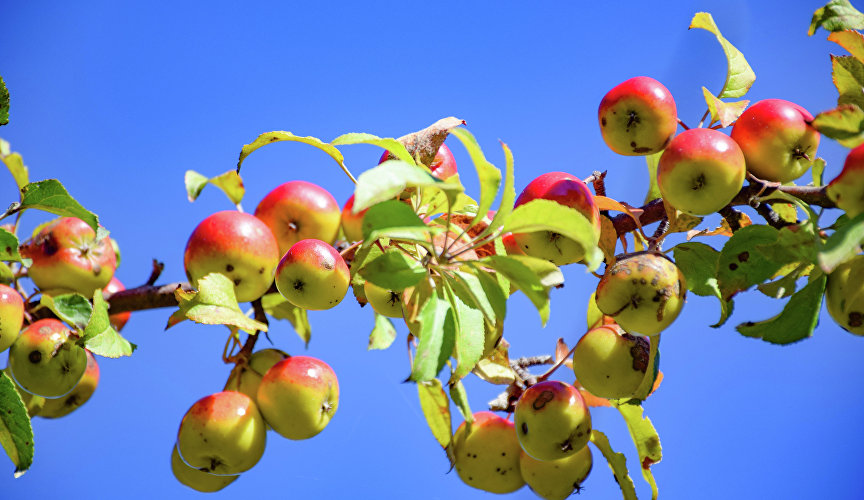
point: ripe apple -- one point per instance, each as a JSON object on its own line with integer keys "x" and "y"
{"x": 237, "y": 245}
{"x": 298, "y": 396}
{"x": 62, "y": 406}
{"x": 847, "y": 189}
{"x": 11, "y": 316}
{"x": 222, "y": 433}
{"x": 313, "y": 275}
{"x": 777, "y": 139}
{"x": 487, "y": 456}
{"x": 249, "y": 377}
{"x": 610, "y": 364}
{"x": 638, "y": 117}
{"x": 299, "y": 210}
{"x": 119, "y": 320}
{"x": 68, "y": 258}
{"x": 701, "y": 171}
{"x": 552, "y": 420}
{"x": 196, "y": 479}
{"x": 45, "y": 360}
{"x": 567, "y": 190}
{"x": 352, "y": 224}
{"x": 556, "y": 479}
{"x": 384, "y": 302}
{"x": 510, "y": 245}
{"x": 643, "y": 292}
{"x": 443, "y": 165}
{"x": 844, "y": 295}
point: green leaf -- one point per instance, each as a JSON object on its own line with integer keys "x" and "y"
{"x": 645, "y": 438}
{"x": 845, "y": 242}
{"x": 617, "y": 462}
{"x": 229, "y": 182}
{"x": 848, "y": 76}
{"x": 698, "y": 263}
{"x": 278, "y": 307}
{"x": 4, "y": 103}
{"x": 436, "y": 409}
{"x": 786, "y": 285}
{"x": 383, "y": 334}
{"x": 100, "y": 337}
{"x": 549, "y": 274}
{"x": 793, "y": 244}
{"x": 489, "y": 175}
{"x": 469, "y": 289}
{"x": 817, "y": 169}
{"x": 9, "y": 248}
{"x": 508, "y": 195}
{"x": 281, "y": 135}
{"x": 653, "y": 189}
{"x": 724, "y": 112}
{"x": 395, "y": 147}
{"x": 739, "y": 76}
{"x": 16, "y": 433}
{"x": 524, "y": 279}
{"x": 393, "y": 270}
{"x": 49, "y": 195}
{"x": 470, "y": 337}
{"x": 740, "y": 265}
{"x": 437, "y": 337}
{"x": 365, "y": 253}
{"x": 6, "y": 274}
{"x": 493, "y": 291}
{"x": 836, "y": 15}
{"x": 213, "y": 304}
{"x": 15, "y": 164}
{"x": 394, "y": 219}
{"x": 387, "y": 180}
{"x": 845, "y": 124}
{"x": 796, "y": 321}
{"x": 850, "y": 40}
{"x": 548, "y": 215}
{"x": 74, "y": 309}
{"x": 460, "y": 399}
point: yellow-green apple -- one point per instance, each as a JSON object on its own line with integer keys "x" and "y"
{"x": 700, "y": 171}
{"x": 638, "y": 117}
{"x": 844, "y": 295}
{"x": 11, "y": 316}
{"x": 222, "y": 433}
{"x": 643, "y": 292}
{"x": 610, "y": 364}
{"x": 567, "y": 190}
{"x": 556, "y": 479}
{"x": 237, "y": 245}
{"x": 487, "y": 455}
{"x": 248, "y": 377}
{"x": 847, "y": 189}
{"x": 383, "y": 301}
{"x": 313, "y": 275}
{"x": 552, "y": 420}
{"x": 595, "y": 317}
{"x": 352, "y": 224}
{"x": 298, "y": 396}
{"x": 45, "y": 359}
{"x": 196, "y": 479}
{"x": 62, "y": 406}
{"x": 777, "y": 139}
{"x": 299, "y": 210}
{"x": 443, "y": 165}
{"x": 67, "y": 257}
{"x": 119, "y": 320}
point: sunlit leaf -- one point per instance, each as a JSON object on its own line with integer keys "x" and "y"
{"x": 469, "y": 331}
{"x": 393, "y": 270}
{"x": 100, "y": 337}
{"x": 740, "y": 265}
{"x": 50, "y": 196}
{"x": 229, "y": 182}
{"x": 385, "y": 182}
{"x": 508, "y": 195}
{"x": 797, "y": 320}
{"x": 739, "y": 76}
{"x": 393, "y": 146}
{"x": 73, "y": 308}
{"x": 724, "y": 112}
{"x": 15, "y": 164}
{"x": 848, "y": 76}
{"x": 16, "y": 433}
{"x": 836, "y": 15}
{"x": 653, "y": 189}
{"x": 524, "y": 279}
{"x": 383, "y": 334}
{"x": 437, "y": 337}
{"x": 617, "y": 462}
{"x": 436, "y": 409}
{"x": 698, "y": 263}
{"x": 460, "y": 399}
{"x": 489, "y": 175}
{"x": 278, "y": 307}
{"x": 845, "y": 124}
{"x": 645, "y": 438}
{"x": 281, "y": 135}
{"x": 213, "y": 304}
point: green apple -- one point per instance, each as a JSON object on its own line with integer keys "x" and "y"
{"x": 556, "y": 479}
{"x": 701, "y": 171}
{"x": 64, "y": 405}
{"x": 313, "y": 275}
{"x": 610, "y": 364}
{"x": 847, "y": 189}
{"x": 222, "y": 433}
{"x": 643, "y": 292}
{"x": 196, "y": 479}
{"x": 299, "y": 210}
{"x": 844, "y": 295}
{"x": 552, "y": 420}
{"x": 487, "y": 455}
{"x": 384, "y": 302}
{"x": 298, "y": 396}
{"x": 638, "y": 117}
{"x": 11, "y": 316}
{"x": 249, "y": 376}
{"x": 45, "y": 360}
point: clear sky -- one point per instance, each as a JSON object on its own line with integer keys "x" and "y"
{"x": 119, "y": 99}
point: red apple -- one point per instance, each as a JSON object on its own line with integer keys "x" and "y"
{"x": 638, "y": 117}
{"x": 777, "y": 139}
{"x": 299, "y": 210}
{"x": 11, "y": 316}
{"x": 68, "y": 258}
{"x": 510, "y": 245}
{"x": 237, "y": 245}
{"x": 352, "y": 224}
{"x": 119, "y": 320}
{"x": 313, "y": 275}
{"x": 847, "y": 189}
{"x": 62, "y": 406}
{"x": 443, "y": 165}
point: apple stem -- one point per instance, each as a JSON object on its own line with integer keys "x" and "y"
{"x": 680, "y": 122}
{"x": 702, "y": 120}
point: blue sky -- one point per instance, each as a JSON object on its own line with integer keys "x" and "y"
{"x": 119, "y": 99}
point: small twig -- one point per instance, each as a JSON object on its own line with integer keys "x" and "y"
{"x": 529, "y": 361}
{"x": 260, "y": 316}
{"x": 557, "y": 365}
{"x": 680, "y": 122}
{"x": 770, "y": 215}
{"x": 599, "y": 183}
{"x": 158, "y": 267}
{"x": 702, "y": 120}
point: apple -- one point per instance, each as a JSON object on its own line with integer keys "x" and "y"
{"x": 847, "y": 189}
{"x": 443, "y": 165}
{"x": 249, "y": 375}
{"x": 299, "y": 210}
{"x": 237, "y": 245}
{"x": 487, "y": 455}
{"x": 384, "y": 302}
{"x": 552, "y": 420}
{"x": 119, "y": 320}
{"x": 594, "y": 317}
{"x": 11, "y": 316}
{"x": 45, "y": 359}
{"x": 844, "y": 295}
{"x": 570, "y": 191}
{"x": 701, "y": 171}
{"x": 298, "y": 396}
{"x": 643, "y": 292}
{"x": 67, "y": 257}
{"x": 352, "y": 224}
{"x": 510, "y": 245}
{"x": 638, "y": 117}
{"x": 556, "y": 479}
{"x": 196, "y": 479}
{"x": 313, "y": 275}
{"x": 62, "y": 406}
{"x": 777, "y": 139}
{"x": 222, "y": 433}
{"x": 610, "y": 364}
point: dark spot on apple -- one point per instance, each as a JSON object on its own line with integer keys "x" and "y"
{"x": 237, "y": 281}
{"x": 35, "y": 357}
{"x": 698, "y": 182}
{"x": 44, "y": 330}
{"x": 566, "y": 445}
{"x": 470, "y": 478}
{"x": 633, "y": 144}
{"x": 504, "y": 454}
{"x": 632, "y": 119}
{"x": 261, "y": 271}
{"x": 229, "y": 268}
{"x": 543, "y": 398}
{"x": 602, "y": 122}
{"x": 856, "y": 319}
{"x": 733, "y": 266}
{"x": 97, "y": 269}
{"x": 298, "y": 285}
{"x": 73, "y": 401}
{"x": 49, "y": 245}
{"x": 743, "y": 256}
{"x": 524, "y": 428}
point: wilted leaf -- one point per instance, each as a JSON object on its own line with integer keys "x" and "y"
{"x": 281, "y": 135}
{"x": 850, "y": 40}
